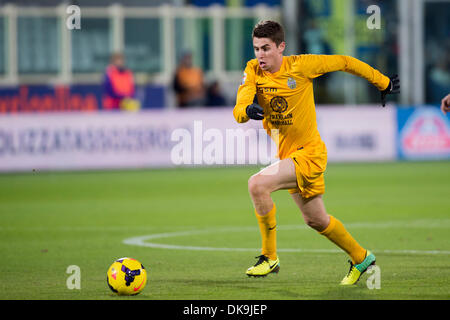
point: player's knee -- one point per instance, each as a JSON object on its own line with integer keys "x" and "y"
{"x": 317, "y": 223}
{"x": 313, "y": 223}
{"x": 257, "y": 186}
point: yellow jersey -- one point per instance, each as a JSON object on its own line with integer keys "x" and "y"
{"x": 287, "y": 95}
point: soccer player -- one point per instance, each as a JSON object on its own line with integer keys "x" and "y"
{"x": 445, "y": 104}
{"x": 284, "y": 89}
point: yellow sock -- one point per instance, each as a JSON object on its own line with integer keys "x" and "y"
{"x": 267, "y": 226}
{"x": 337, "y": 233}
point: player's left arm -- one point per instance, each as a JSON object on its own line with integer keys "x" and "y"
{"x": 316, "y": 65}
{"x": 245, "y": 109}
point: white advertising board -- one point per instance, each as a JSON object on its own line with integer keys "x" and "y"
{"x": 362, "y": 133}
{"x": 105, "y": 140}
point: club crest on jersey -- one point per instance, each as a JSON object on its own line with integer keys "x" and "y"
{"x": 292, "y": 84}
{"x": 278, "y": 104}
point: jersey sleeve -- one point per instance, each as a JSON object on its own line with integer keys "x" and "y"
{"x": 246, "y": 94}
{"x": 313, "y": 66}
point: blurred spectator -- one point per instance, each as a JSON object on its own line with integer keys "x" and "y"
{"x": 315, "y": 39}
{"x": 439, "y": 79}
{"x": 215, "y": 98}
{"x": 119, "y": 87}
{"x": 188, "y": 83}
{"x": 315, "y": 43}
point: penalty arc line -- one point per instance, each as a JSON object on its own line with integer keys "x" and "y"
{"x": 142, "y": 240}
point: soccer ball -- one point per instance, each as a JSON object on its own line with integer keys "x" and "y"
{"x": 126, "y": 276}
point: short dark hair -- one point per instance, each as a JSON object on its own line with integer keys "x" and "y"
{"x": 269, "y": 29}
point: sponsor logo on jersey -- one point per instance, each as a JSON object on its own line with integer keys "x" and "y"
{"x": 244, "y": 77}
{"x": 278, "y": 104}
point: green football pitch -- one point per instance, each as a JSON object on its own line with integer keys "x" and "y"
{"x": 195, "y": 232}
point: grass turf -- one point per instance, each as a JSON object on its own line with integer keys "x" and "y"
{"x": 50, "y": 220}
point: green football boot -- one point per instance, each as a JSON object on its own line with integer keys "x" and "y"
{"x": 356, "y": 270}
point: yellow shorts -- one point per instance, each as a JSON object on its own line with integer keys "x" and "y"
{"x": 310, "y": 164}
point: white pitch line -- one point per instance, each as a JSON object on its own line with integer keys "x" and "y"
{"x": 143, "y": 240}
{"x": 419, "y": 224}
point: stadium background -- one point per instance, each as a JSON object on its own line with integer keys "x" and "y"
{"x": 47, "y": 68}
{"x": 53, "y": 128}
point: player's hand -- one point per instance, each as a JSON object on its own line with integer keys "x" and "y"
{"x": 445, "y": 104}
{"x": 255, "y": 111}
{"x": 392, "y": 88}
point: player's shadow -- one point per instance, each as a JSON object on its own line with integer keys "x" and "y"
{"x": 242, "y": 284}
{"x": 276, "y": 291}
{"x": 355, "y": 292}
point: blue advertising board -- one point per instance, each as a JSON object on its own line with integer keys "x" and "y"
{"x": 76, "y": 97}
{"x": 423, "y": 133}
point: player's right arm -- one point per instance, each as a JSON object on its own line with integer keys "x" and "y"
{"x": 445, "y": 104}
{"x": 246, "y": 93}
